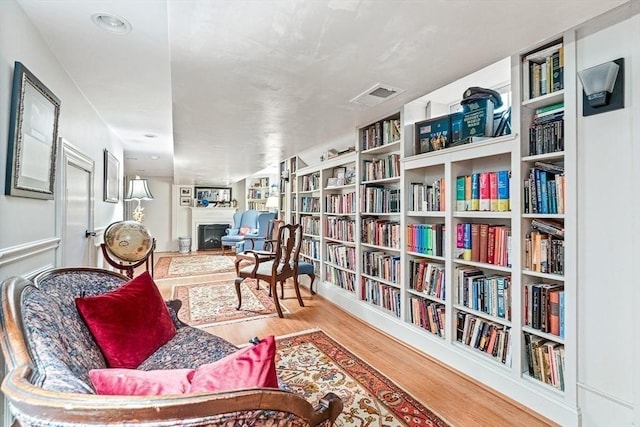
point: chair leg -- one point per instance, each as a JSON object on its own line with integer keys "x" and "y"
{"x": 312, "y": 276}
{"x": 296, "y": 286}
{"x": 238, "y": 293}
{"x": 237, "y": 263}
{"x": 273, "y": 288}
{"x": 282, "y": 289}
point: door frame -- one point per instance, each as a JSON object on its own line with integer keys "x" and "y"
{"x": 71, "y": 155}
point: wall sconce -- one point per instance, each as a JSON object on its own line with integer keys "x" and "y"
{"x": 603, "y": 87}
{"x": 138, "y": 190}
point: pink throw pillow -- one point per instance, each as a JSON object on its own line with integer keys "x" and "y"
{"x": 130, "y": 323}
{"x": 132, "y": 382}
{"x": 250, "y": 367}
{"x": 244, "y": 230}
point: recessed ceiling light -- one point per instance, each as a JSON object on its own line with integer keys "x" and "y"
{"x": 111, "y": 23}
{"x": 150, "y": 135}
{"x": 154, "y": 157}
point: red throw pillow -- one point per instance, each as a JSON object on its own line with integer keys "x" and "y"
{"x": 132, "y": 382}
{"x": 244, "y": 230}
{"x": 130, "y": 323}
{"x": 253, "y": 366}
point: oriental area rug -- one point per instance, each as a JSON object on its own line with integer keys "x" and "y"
{"x": 312, "y": 364}
{"x": 214, "y": 303}
{"x": 191, "y": 265}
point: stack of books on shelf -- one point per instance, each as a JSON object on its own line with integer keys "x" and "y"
{"x": 341, "y": 255}
{"x": 380, "y": 232}
{"x": 310, "y": 248}
{"x": 544, "y": 252}
{"x": 340, "y": 203}
{"x": 483, "y": 191}
{"x": 341, "y": 278}
{"x": 488, "y": 337}
{"x": 310, "y": 225}
{"x": 546, "y": 71}
{"x": 380, "y": 133}
{"x": 546, "y": 134}
{"x": 377, "y": 169}
{"x": 428, "y": 315}
{"x": 544, "y": 189}
{"x": 488, "y": 294}
{"x": 486, "y": 243}
{"x": 426, "y": 239}
{"x": 545, "y": 360}
{"x": 379, "y": 199}
{"x": 310, "y": 204}
{"x": 544, "y": 307}
{"x": 381, "y": 265}
{"x": 428, "y": 197}
{"x": 381, "y": 295}
{"x": 340, "y": 228}
{"x": 427, "y": 277}
{"x": 310, "y": 182}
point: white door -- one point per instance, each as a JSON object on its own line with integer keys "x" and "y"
{"x": 77, "y": 246}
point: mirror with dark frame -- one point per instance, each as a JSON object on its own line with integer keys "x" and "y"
{"x": 213, "y": 196}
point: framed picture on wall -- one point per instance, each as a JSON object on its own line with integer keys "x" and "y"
{"x": 185, "y": 201}
{"x": 111, "y": 178}
{"x": 185, "y": 191}
{"x": 33, "y": 137}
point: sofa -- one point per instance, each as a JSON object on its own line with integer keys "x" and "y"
{"x": 51, "y": 355}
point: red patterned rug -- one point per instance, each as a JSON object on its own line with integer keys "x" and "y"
{"x": 312, "y": 364}
{"x": 191, "y": 265}
{"x": 214, "y": 303}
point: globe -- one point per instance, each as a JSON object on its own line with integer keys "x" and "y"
{"x": 128, "y": 240}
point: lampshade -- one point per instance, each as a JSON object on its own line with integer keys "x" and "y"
{"x": 138, "y": 190}
{"x": 598, "y": 82}
{"x": 272, "y": 202}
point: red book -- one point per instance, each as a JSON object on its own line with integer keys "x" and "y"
{"x": 475, "y": 242}
{"x": 554, "y": 311}
{"x": 493, "y": 190}
{"x": 491, "y": 244}
{"x": 484, "y": 242}
{"x": 459, "y": 240}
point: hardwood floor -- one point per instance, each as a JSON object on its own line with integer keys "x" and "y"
{"x": 455, "y": 397}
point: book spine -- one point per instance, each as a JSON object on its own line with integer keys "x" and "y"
{"x": 475, "y": 192}
{"x": 460, "y": 193}
{"x": 485, "y": 192}
{"x": 493, "y": 191}
{"x": 503, "y": 190}
{"x": 475, "y": 242}
{"x": 467, "y": 192}
{"x": 484, "y": 242}
{"x": 459, "y": 241}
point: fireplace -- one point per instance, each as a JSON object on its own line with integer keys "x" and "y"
{"x": 209, "y": 236}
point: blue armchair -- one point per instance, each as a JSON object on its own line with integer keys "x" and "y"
{"x": 244, "y": 223}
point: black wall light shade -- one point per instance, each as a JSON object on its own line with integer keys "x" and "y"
{"x": 596, "y": 97}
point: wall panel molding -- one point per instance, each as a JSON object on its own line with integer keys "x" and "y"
{"x": 25, "y": 250}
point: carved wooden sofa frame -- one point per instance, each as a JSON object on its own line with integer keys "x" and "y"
{"x": 34, "y": 401}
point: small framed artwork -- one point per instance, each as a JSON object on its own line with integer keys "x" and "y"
{"x": 350, "y": 175}
{"x": 111, "y": 178}
{"x": 339, "y": 174}
{"x": 185, "y": 191}
{"x": 33, "y": 137}
{"x": 185, "y": 201}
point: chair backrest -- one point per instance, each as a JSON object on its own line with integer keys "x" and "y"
{"x": 249, "y": 219}
{"x": 288, "y": 249}
{"x": 272, "y": 234}
{"x": 237, "y": 219}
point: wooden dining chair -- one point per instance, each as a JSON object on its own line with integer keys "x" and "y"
{"x": 278, "y": 269}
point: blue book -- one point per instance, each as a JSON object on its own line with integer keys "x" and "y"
{"x": 503, "y": 191}
{"x": 544, "y": 197}
{"x": 467, "y": 242}
{"x": 501, "y": 297}
{"x": 475, "y": 192}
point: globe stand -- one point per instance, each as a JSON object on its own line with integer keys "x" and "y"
{"x": 128, "y": 267}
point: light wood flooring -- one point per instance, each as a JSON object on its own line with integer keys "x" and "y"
{"x": 455, "y": 397}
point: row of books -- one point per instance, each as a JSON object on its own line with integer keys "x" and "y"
{"x": 428, "y": 315}
{"x": 380, "y": 232}
{"x": 310, "y": 225}
{"x": 546, "y": 133}
{"x": 428, "y": 197}
{"x": 257, "y": 193}
{"x": 543, "y": 253}
{"x": 341, "y": 255}
{"x": 310, "y": 182}
{"x": 342, "y": 279}
{"x": 340, "y": 203}
{"x": 381, "y": 295}
{"x": 375, "y": 169}
{"x": 544, "y": 307}
{"x": 544, "y": 192}
{"x": 426, "y": 239}
{"x": 379, "y": 199}
{"x": 488, "y": 337}
{"x": 340, "y": 228}
{"x": 427, "y": 277}
{"x": 488, "y": 294}
{"x": 310, "y": 248}
{"x": 381, "y": 265}
{"x": 546, "y": 71}
{"x": 545, "y": 360}
{"x": 486, "y": 243}
{"x": 483, "y": 191}
{"x": 380, "y": 133}
{"x": 310, "y": 204}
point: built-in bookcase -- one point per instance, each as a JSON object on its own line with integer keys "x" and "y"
{"x": 454, "y": 251}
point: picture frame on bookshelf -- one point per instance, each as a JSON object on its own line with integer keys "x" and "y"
{"x": 432, "y": 134}
{"x": 185, "y": 201}
{"x": 339, "y": 173}
{"x": 350, "y": 175}
{"x": 185, "y": 191}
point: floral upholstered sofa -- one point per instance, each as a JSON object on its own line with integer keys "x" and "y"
{"x": 50, "y": 353}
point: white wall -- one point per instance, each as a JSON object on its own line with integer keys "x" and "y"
{"x": 24, "y": 220}
{"x": 609, "y": 232}
{"x": 157, "y": 213}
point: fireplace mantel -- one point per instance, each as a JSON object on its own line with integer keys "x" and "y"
{"x": 208, "y": 215}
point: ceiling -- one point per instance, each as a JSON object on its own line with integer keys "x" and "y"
{"x": 213, "y": 91}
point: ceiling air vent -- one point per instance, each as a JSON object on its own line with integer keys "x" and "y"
{"x": 377, "y": 95}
